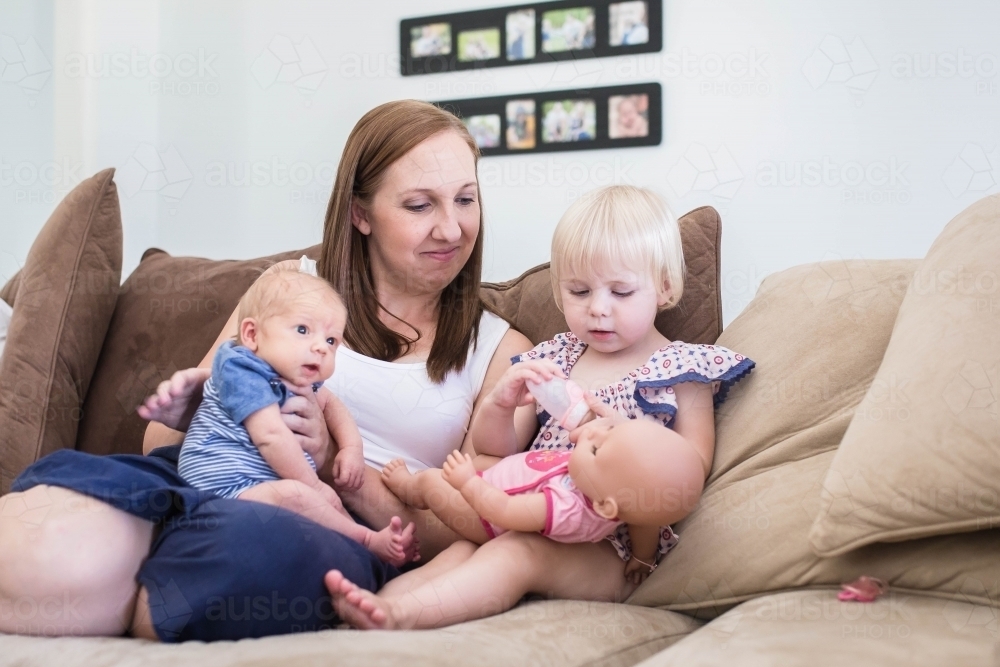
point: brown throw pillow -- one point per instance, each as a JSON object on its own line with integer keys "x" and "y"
{"x": 9, "y": 291}
{"x": 527, "y": 302}
{"x": 817, "y": 333}
{"x": 168, "y": 315}
{"x": 65, "y": 297}
{"x": 922, "y": 455}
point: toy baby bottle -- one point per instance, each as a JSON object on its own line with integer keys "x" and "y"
{"x": 563, "y": 399}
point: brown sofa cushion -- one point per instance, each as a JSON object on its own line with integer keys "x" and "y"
{"x": 65, "y": 297}
{"x": 817, "y": 333}
{"x": 922, "y": 455}
{"x": 9, "y": 290}
{"x": 171, "y": 309}
{"x": 527, "y": 302}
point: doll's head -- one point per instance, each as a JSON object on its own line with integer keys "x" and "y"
{"x": 617, "y": 261}
{"x": 634, "y": 471}
{"x": 293, "y": 321}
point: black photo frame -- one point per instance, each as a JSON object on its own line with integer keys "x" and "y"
{"x": 519, "y": 124}
{"x": 485, "y": 38}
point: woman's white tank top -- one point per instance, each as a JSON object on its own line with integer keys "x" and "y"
{"x": 400, "y": 412}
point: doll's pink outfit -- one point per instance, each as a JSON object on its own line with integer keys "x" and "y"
{"x": 569, "y": 515}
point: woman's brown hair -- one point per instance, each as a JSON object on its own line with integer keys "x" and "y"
{"x": 382, "y": 136}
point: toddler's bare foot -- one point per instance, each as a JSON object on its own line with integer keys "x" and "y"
{"x": 402, "y": 483}
{"x": 359, "y": 608}
{"x": 393, "y": 544}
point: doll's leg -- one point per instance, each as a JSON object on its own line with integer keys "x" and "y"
{"x": 391, "y": 544}
{"x": 499, "y": 574}
{"x": 437, "y": 495}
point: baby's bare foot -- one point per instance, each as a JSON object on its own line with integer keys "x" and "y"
{"x": 402, "y": 483}
{"x": 392, "y": 544}
{"x": 357, "y": 607}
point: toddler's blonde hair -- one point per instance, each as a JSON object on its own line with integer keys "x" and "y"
{"x": 278, "y": 290}
{"x": 620, "y": 225}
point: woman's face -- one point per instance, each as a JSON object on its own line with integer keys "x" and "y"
{"x": 423, "y": 221}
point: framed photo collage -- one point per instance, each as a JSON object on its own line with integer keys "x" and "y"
{"x": 609, "y": 117}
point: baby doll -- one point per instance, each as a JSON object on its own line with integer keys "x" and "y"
{"x": 237, "y": 446}
{"x": 614, "y": 476}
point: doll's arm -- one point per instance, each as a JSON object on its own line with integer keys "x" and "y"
{"x": 349, "y": 464}
{"x": 525, "y": 513}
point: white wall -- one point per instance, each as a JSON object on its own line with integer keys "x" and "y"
{"x": 840, "y": 92}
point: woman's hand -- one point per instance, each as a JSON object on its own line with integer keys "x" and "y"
{"x": 511, "y": 390}
{"x": 303, "y": 415}
{"x": 176, "y": 399}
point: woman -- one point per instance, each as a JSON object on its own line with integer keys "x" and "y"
{"x": 403, "y": 245}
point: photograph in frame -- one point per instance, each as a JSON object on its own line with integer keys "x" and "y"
{"x": 520, "y": 124}
{"x": 569, "y": 120}
{"x": 569, "y": 29}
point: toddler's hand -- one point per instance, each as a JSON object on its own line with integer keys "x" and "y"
{"x": 636, "y": 572}
{"x": 349, "y": 469}
{"x": 511, "y": 390}
{"x": 458, "y": 469}
{"x": 329, "y": 495}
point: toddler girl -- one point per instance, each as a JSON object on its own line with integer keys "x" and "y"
{"x": 617, "y": 261}
{"x": 237, "y": 446}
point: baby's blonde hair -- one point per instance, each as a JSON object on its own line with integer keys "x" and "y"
{"x": 620, "y": 225}
{"x": 277, "y": 290}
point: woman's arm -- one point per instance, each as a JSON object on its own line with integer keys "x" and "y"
{"x": 525, "y": 424}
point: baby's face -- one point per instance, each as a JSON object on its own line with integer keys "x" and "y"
{"x": 595, "y": 460}
{"x": 301, "y": 342}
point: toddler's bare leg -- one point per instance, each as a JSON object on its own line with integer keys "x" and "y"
{"x": 392, "y": 544}
{"x": 491, "y": 581}
{"x": 450, "y": 558}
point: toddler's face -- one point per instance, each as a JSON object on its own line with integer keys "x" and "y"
{"x": 609, "y": 310}
{"x": 301, "y": 342}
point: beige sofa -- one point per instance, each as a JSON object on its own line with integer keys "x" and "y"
{"x": 865, "y": 442}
